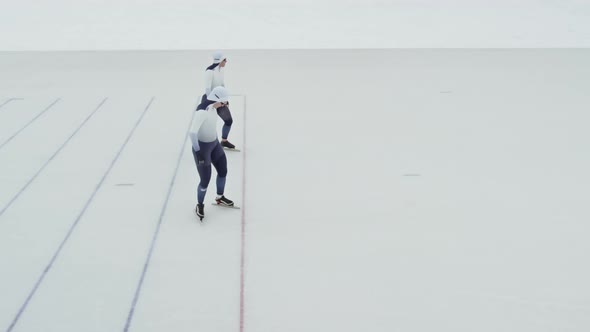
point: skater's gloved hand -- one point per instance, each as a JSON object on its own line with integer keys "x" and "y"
{"x": 200, "y": 158}
{"x": 219, "y": 104}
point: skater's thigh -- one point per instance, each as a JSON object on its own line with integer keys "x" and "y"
{"x": 199, "y": 158}
{"x": 219, "y": 160}
{"x": 224, "y": 113}
{"x": 203, "y": 156}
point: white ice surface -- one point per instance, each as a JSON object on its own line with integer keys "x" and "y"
{"x": 400, "y": 190}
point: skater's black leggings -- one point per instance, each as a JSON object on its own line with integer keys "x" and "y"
{"x": 210, "y": 153}
{"x": 225, "y": 115}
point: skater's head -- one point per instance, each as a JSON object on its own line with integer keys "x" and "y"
{"x": 219, "y": 58}
{"x": 219, "y": 95}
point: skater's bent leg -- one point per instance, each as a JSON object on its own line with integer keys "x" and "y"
{"x": 225, "y": 114}
{"x": 196, "y": 156}
{"x": 204, "y": 169}
{"x": 220, "y": 163}
{"x": 205, "y": 175}
{"x": 225, "y": 131}
{"x": 220, "y": 185}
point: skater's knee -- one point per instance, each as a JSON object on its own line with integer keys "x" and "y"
{"x": 222, "y": 172}
{"x": 204, "y": 175}
{"x": 229, "y": 122}
{"x": 204, "y": 183}
{"x": 221, "y": 166}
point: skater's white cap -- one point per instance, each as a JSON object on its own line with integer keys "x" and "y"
{"x": 218, "y": 94}
{"x": 218, "y": 57}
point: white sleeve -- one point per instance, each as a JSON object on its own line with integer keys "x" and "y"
{"x": 197, "y": 123}
{"x": 208, "y": 81}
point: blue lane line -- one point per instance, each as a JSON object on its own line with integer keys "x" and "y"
{"x": 50, "y": 159}
{"x": 28, "y": 123}
{"x": 98, "y": 186}
{"x": 155, "y": 237}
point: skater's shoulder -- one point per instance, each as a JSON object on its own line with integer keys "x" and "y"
{"x": 205, "y": 103}
{"x": 212, "y": 67}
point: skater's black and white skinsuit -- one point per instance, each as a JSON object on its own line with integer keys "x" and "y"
{"x": 214, "y": 77}
{"x": 206, "y": 149}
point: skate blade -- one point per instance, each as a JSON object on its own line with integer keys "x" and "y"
{"x": 199, "y": 217}
{"x": 235, "y": 150}
{"x": 226, "y": 206}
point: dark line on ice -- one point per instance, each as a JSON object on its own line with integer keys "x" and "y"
{"x": 243, "y": 229}
{"x": 156, "y": 233}
{"x": 50, "y": 159}
{"x": 28, "y": 123}
{"x": 8, "y": 101}
{"x": 98, "y": 186}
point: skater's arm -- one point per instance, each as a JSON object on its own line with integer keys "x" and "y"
{"x": 222, "y": 76}
{"x": 197, "y": 123}
{"x": 208, "y": 81}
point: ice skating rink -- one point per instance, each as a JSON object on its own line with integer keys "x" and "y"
{"x": 381, "y": 190}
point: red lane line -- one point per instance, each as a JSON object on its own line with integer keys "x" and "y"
{"x": 243, "y": 239}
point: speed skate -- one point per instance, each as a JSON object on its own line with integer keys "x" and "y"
{"x": 226, "y": 206}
